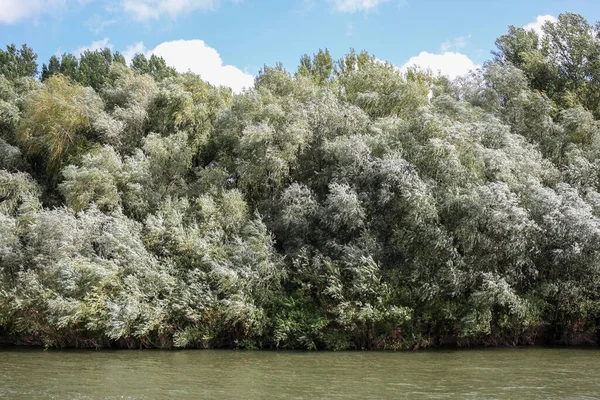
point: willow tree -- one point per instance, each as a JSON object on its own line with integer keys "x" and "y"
{"x": 57, "y": 120}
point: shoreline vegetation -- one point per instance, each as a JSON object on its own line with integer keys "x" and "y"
{"x": 346, "y": 205}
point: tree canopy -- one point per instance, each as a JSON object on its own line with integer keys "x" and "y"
{"x": 338, "y": 206}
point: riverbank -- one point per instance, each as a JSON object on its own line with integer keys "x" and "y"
{"x": 534, "y": 337}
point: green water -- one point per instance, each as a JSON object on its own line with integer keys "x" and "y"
{"x": 532, "y": 373}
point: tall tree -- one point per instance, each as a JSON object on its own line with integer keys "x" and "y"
{"x": 17, "y": 63}
{"x": 319, "y": 67}
{"x": 52, "y": 68}
{"x": 155, "y": 66}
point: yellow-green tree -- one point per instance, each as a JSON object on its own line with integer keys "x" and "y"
{"x": 57, "y": 120}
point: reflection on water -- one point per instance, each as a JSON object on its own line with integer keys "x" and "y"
{"x": 530, "y": 373}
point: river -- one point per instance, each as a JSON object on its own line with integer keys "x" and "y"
{"x": 520, "y": 373}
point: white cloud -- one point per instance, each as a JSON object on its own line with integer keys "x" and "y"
{"x": 448, "y": 63}
{"x": 352, "y": 6}
{"x": 144, "y": 10}
{"x": 12, "y": 11}
{"x": 15, "y": 10}
{"x": 97, "y": 24}
{"x": 536, "y": 25}
{"x": 197, "y": 57}
{"x": 456, "y": 43}
{"x": 97, "y": 45}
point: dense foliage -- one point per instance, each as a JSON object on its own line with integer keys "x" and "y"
{"x": 349, "y": 205}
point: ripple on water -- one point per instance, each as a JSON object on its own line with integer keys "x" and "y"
{"x": 479, "y": 374}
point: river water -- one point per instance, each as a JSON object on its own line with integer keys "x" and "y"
{"x": 521, "y": 373}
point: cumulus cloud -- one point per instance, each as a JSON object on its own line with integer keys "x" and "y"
{"x": 153, "y": 9}
{"x": 97, "y": 45}
{"x": 451, "y": 64}
{"x": 352, "y": 6}
{"x": 197, "y": 57}
{"x": 536, "y": 25}
{"x": 12, "y": 11}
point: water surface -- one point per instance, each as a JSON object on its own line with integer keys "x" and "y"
{"x": 522, "y": 373}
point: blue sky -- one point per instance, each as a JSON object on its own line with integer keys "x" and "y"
{"x": 228, "y": 41}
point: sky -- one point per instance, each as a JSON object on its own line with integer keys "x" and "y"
{"x": 227, "y": 42}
